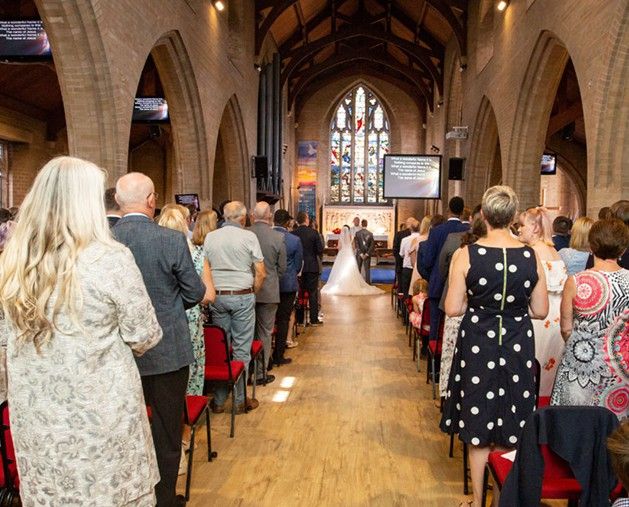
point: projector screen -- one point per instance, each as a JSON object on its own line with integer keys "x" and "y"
{"x": 23, "y": 39}
{"x": 412, "y": 176}
{"x": 150, "y": 110}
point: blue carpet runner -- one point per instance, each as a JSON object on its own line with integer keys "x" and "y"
{"x": 378, "y": 275}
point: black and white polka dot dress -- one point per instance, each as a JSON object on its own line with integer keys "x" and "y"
{"x": 491, "y": 390}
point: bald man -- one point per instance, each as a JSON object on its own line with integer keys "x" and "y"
{"x": 173, "y": 285}
{"x": 268, "y": 297}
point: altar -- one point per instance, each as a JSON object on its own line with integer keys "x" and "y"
{"x": 381, "y": 221}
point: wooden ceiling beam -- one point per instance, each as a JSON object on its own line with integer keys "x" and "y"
{"x": 302, "y": 22}
{"x": 262, "y": 31}
{"x": 353, "y": 57}
{"x": 421, "y": 55}
{"x": 564, "y": 117}
{"x": 442, "y": 7}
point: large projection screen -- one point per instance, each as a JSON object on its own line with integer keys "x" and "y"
{"x": 412, "y": 176}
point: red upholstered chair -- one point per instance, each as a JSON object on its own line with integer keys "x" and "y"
{"x": 257, "y": 356}
{"x": 9, "y": 479}
{"x": 194, "y": 409}
{"x": 422, "y": 333}
{"x": 219, "y": 368}
{"x": 434, "y": 354}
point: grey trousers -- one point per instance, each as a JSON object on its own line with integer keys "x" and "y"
{"x": 366, "y": 265}
{"x": 265, "y": 321}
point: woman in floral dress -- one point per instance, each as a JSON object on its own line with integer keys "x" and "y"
{"x": 594, "y": 315}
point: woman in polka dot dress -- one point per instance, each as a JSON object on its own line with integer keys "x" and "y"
{"x": 498, "y": 285}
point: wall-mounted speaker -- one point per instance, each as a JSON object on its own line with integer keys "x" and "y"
{"x": 455, "y": 168}
{"x": 261, "y": 167}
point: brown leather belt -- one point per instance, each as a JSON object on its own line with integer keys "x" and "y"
{"x": 234, "y": 292}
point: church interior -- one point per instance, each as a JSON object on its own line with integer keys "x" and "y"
{"x": 300, "y": 103}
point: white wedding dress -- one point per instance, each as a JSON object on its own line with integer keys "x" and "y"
{"x": 345, "y": 279}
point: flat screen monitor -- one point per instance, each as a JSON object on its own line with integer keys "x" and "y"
{"x": 150, "y": 110}
{"x": 186, "y": 199}
{"x": 24, "y": 40}
{"x": 549, "y": 164}
{"x": 412, "y": 176}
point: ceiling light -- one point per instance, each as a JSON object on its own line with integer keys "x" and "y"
{"x": 219, "y": 5}
{"x": 502, "y": 5}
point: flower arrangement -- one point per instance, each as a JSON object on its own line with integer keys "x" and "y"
{"x": 337, "y": 230}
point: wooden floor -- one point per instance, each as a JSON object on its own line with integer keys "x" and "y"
{"x": 350, "y": 422}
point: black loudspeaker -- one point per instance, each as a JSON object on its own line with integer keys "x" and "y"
{"x": 261, "y": 167}
{"x": 455, "y": 168}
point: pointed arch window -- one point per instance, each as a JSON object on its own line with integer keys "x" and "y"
{"x": 359, "y": 139}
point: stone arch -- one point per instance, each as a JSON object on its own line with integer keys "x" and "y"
{"x": 231, "y": 175}
{"x": 484, "y": 164}
{"x": 86, "y": 83}
{"x": 485, "y": 37}
{"x": 453, "y": 117}
{"x": 528, "y": 137}
{"x": 190, "y": 155}
{"x": 610, "y": 149}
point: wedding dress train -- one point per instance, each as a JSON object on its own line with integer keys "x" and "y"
{"x": 345, "y": 279}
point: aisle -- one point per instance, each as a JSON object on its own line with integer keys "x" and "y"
{"x": 358, "y": 425}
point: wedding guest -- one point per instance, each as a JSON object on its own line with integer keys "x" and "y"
{"x": 424, "y": 228}
{"x": 594, "y": 321}
{"x": 498, "y": 285}
{"x": 312, "y": 248}
{"x": 535, "y": 231}
{"x": 112, "y": 209}
{"x": 289, "y": 285}
{"x": 428, "y": 265}
{"x": 561, "y": 227}
{"x": 405, "y": 253}
{"x": 397, "y": 241}
{"x": 575, "y": 257}
{"x": 268, "y": 297}
{"x": 618, "y": 447}
{"x": 355, "y": 227}
{"x": 76, "y": 311}
{"x": 237, "y": 265}
{"x": 6, "y": 227}
{"x": 604, "y": 213}
{"x": 620, "y": 210}
{"x": 173, "y": 285}
{"x": 420, "y": 294}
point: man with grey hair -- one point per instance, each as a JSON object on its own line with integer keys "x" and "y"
{"x": 268, "y": 297}
{"x": 234, "y": 255}
{"x": 173, "y": 285}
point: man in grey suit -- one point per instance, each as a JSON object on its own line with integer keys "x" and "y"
{"x": 365, "y": 249}
{"x": 173, "y": 285}
{"x": 268, "y": 297}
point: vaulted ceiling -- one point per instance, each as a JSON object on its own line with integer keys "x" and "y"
{"x": 402, "y": 41}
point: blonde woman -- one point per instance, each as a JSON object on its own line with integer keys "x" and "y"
{"x": 173, "y": 218}
{"x": 76, "y": 311}
{"x": 424, "y": 229}
{"x": 575, "y": 257}
{"x": 536, "y": 231}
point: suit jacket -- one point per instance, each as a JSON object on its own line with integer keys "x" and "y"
{"x": 452, "y": 244}
{"x": 274, "y": 253}
{"x": 313, "y": 248}
{"x": 365, "y": 243}
{"x": 172, "y": 283}
{"x": 427, "y": 264}
{"x": 397, "y": 241}
{"x": 112, "y": 220}
{"x": 294, "y": 261}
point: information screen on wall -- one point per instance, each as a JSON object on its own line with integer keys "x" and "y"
{"x": 23, "y": 39}
{"x": 186, "y": 199}
{"x": 150, "y": 110}
{"x": 412, "y": 176}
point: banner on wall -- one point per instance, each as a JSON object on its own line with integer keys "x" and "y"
{"x": 307, "y": 162}
{"x": 308, "y": 200}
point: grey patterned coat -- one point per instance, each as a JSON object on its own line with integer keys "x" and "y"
{"x": 78, "y": 416}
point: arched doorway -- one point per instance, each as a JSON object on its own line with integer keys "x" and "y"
{"x": 485, "y": 160}
{"x": 231, "y": 176}
{"x": 32, "y": 114}
{"x": 172, "y": 150}
{"x": 549, "y": 121}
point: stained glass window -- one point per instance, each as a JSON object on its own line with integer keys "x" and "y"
{"x": 359, "y": 139}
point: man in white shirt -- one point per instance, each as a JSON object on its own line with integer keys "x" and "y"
{"x": 355, "y": 228}
{"x": 405, "y": 249}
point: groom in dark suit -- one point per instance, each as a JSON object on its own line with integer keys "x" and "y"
{"x": 365, "y": 249}
{"x": 173, "y": 285}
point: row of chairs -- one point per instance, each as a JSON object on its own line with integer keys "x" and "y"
{"x": 558, "y": 480}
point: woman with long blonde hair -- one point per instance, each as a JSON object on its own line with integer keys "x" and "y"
{"x": 536, "y": 231}
{"x": 75, "y": 311}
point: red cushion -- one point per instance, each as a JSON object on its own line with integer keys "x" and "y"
{"x": 256, "y": 347}
{"x": 435, "y": 347}
{"x": 10, "y": 450}
{"x": 221, "y": 373}
{"x": 195, "y": 406}
{"x": 543, "y": 401}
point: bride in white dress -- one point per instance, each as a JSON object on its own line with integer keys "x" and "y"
{"x": 345, "y": 279}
